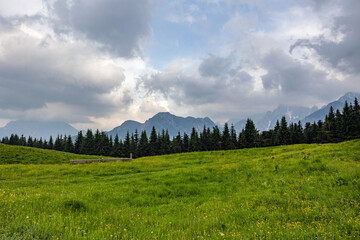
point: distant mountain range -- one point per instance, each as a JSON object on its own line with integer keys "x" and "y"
{"x": 175, "y": 124}
{"x": 268, "y": 121}
{"x": 294, "y": 114}
{"x": 338, "y": 104}
{"x": 163, "y": 120}
{"x": 37, "y": 129}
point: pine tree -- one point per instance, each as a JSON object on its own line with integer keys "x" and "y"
{"x": 97, "y": 150}
{"x": 194, "y": 141}
{"x": 87, "y": 146}
{"x": 30, "y": 142}
{"x": 153, "y": 143}
{"x": 216, "y": 139}
{"x": 276, "y": 134}
{"x": 186, "y": 143}
{"x": 177, "y": 144}
{"x": 308, "y": 133}
{"x": 116, "y": 149}
{"x": 226, "y": 137}
{"x": 127, "y": 145}
{"x": 69, "y": 147}
{"x": 78, "y": 142}
{"x": 250, "y": 134}
{"x": 143, "y": 145}
{"x": 233, "y": 142}
{"x": 51, "y": 143}
{"x": 58, "y": 145}
{"x": 284, "y": 135}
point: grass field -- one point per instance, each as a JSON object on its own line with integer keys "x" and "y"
{"x": 26, "y": 155}
{"x": 286, "y": 192}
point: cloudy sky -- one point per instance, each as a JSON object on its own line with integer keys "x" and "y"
{"x": 97, "y": 63}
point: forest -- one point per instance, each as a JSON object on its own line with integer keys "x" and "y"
{"x": 338, "y": 126}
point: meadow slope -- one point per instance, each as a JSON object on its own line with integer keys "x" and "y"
{"x": 27, "y": 155}
{"x": 285, "y": 192}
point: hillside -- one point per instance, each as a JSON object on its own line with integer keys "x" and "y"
{"x": 28, "y": 155}
{"x": 286, "y": 192}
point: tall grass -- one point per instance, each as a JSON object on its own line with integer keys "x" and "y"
{"x": 286, "y": 192}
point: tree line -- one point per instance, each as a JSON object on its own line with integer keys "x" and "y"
{"x": 337, "y": 126}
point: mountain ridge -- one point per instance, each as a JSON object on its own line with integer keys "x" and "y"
{"x": 163, "y": 120}
{"x": 37, "y": 129}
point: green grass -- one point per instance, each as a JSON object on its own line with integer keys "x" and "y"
{"x": 27, "y": 155}
{"x": 286, "y": 192}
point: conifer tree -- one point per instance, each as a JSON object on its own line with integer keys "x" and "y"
{"x": 250, "y": 134}
{"x": 116, "y": 149}
{"x": 284, "y": 135}
{"x": 186, "y": 143}
{"x": 69, "y": 147}
{"x": 143, "y": 145}
{"x": 51, "y": 143}
{"x": 216, "y": 139}
{"x": 78, "y": 142}
{"x": 87, "y": 146}
{"x": 233, "y": 142}
{"x": 226, "y": 137}
{"x": 177, "y": 144}
{"x": 194, "y": 141}
{"x": 153, "y": 142}
{"x": 127, "y": 145}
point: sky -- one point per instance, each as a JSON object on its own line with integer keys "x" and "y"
{"x": 97, "y": 63}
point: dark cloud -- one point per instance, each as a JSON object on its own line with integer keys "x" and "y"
{"x": 34, "y": 75}
{"x": 343, "y": 55}
{"x": 119, "y": 26}
{"x": 213, "y": 82}
{"x": 215, "y": 66}
{"x": 290, "y": 75}
{"x": 296, "y": 79}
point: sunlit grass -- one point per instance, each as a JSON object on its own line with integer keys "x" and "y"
{"x": 286, "y": 192}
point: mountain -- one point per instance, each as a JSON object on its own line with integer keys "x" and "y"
{"x": 37, "y": 129}
{"x": 163, "y": 120}
{"x": 338, "y": 104}
{"x": 268, "y": 121}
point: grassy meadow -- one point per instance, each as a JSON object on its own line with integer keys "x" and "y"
{"x": 285, "y": 192}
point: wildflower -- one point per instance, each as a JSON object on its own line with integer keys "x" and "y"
{"x": 221, "y": 234}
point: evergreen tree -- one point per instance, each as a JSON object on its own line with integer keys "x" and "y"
{"x": 51, "y": 143}
{"x": 308, "y": 133}
{"x": 30, "y": 142}
{"x": 250, "y": 134}
{"x": 233, "y": 142}
{"x": 194, "y": 141}
{"x": 127, "y": 145}
{"x": 177, "y": 145}
{"x": 276, "y": 134}
{"x": 58, "y": 145}
{"x": 242, "y": 141}
{"x": 186, "y": 143}
{"x": 143, "y": 149}
{"x": 226, "y": 142}
{"x": 284, "y": 135}
{"x": 97, "y": 150}
{"x": 216, "y": 139}
{"x": 87, "y": 146}
{"x": 136, "y": 144}
{"x": 116, "y": 149}
{"x": 69, "y": 147}
{"x": 78, "y": 142}
{"x": 153, "y": 143}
